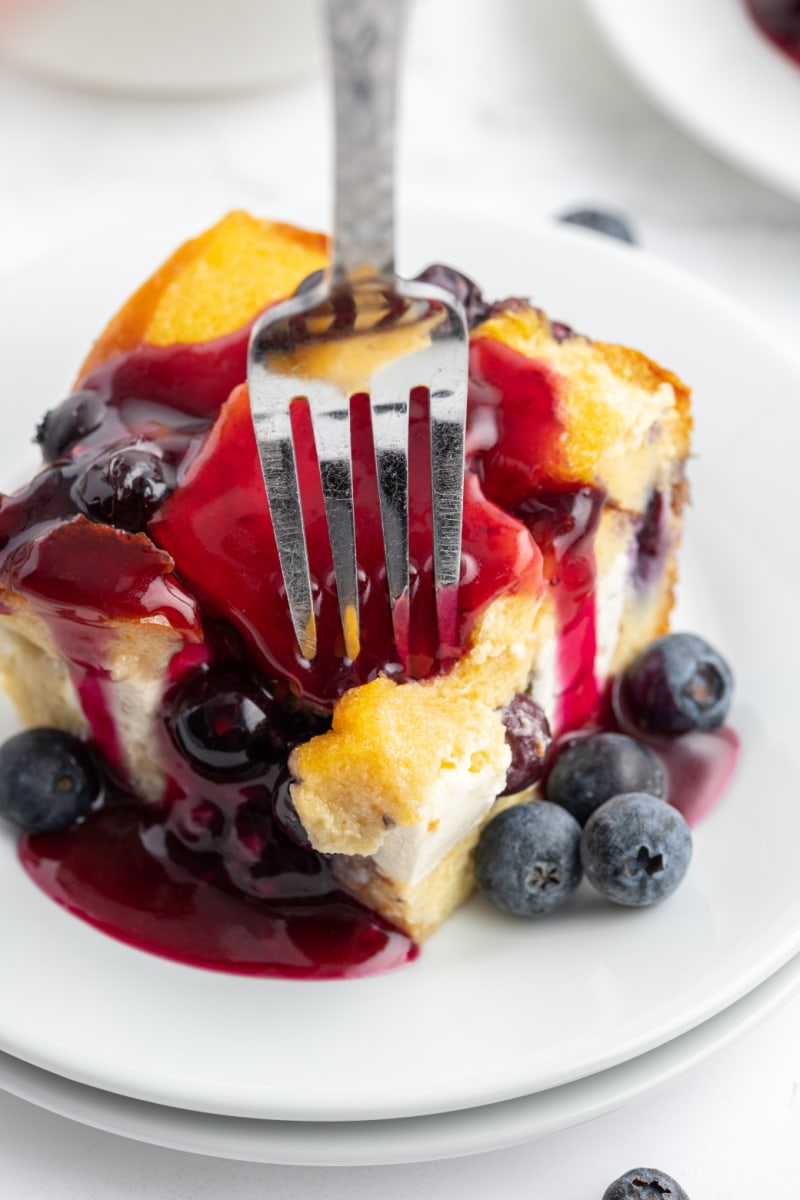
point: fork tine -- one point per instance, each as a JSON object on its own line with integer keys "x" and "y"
{"x": 447, "y": 421}
{"x": 270, "y": 401}
{"x": 330, "y": 415}
{"x": 389, "y": 403}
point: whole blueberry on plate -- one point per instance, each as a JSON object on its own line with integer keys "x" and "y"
{"x": 592, "y": 769}
{"x": 645, "y": 1183}
{"x": 529, "y": 738}
{"x": 611, "y": 224}
{"x": 676, "y": 684}
{"x": 527, "y": 862}
{"x": 286, "y": 815}
{"x": 636, "y": 849}
{"x": 48, "y": 780}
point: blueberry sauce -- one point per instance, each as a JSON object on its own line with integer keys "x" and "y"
{"x": 150, "y": 502}
{"x": 779, "y": 20}
{"x": 129, "y": 876}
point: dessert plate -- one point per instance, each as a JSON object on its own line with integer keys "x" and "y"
{"x": 493, "y": 1009}
{"x": 714, "y": 72}
{"x": 405, "y": 1139}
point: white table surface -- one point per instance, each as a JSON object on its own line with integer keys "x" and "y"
{"x": 537, "y": 119}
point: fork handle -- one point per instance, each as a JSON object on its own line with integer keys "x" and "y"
{"x": 364, "y": 39}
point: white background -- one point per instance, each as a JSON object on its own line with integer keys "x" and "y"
{"x": 517, "y": 106}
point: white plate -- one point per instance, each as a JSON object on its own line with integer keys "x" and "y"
{"x": 493, "y": 1009}
{"x": 712, "y": 70}
{"x": 409, "y": 1139}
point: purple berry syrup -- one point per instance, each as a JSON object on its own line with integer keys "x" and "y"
{"x": 208, "y": 876}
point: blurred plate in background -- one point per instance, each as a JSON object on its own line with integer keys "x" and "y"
{"x": 169, "y": 47}
{"x": 710, "y": 68}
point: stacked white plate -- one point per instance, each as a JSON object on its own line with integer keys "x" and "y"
{"x": 501, "y": 1030}
{"x": 709, "y": 67}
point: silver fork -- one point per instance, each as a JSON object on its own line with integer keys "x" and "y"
{"x": 362, "y": 329}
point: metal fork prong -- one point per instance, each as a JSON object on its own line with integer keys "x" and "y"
{"x": 447, "y": 418}
{"x": 330, "y": 414}
{"x": 389, "y": 403}
{"x": 270, "y": 407}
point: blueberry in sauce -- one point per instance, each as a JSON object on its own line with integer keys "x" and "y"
{"x": 64, "y": 427}
{"x": 227, "y": 723}
{"x": 49, "y": 780}
{"x": 645, "y": 1183}
{"x": 527, "y": 862}
{"x": 678, "y": 683}
{"x": 286, "y": 815}
{"x": 650, "y": 541}
{"x": 636, "y": 849}
{"x": 302, "y": 722}
{"x": 268, "y": 854}
{"x": 591, "y": 770}
{"x": 199, "y": 824}
{"x": 610, "y": 224}
{"x": 465, "y": 290}
{"x": 529, "y": 737}
{"x": 123, "y": 488}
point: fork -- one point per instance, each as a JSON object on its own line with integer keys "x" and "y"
{"x": 363, "y": 329}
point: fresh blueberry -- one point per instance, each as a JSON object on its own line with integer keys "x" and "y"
{"x": 48, "y": 780}
{"x": 227, "y": 723}
{"x": 591, "y": 770}
{"x": 677, "y": 683}
{"x": 66, "y": 426}
{"x": 123, "y": 488}
{"x": 644, "y": 1184}
{"x": 636, "y": 849}
{"x": 528, "y": 734}
{"x": 528, "y": 859}
{"x": 461, "y": 286}
{"x": 610, "y": 224}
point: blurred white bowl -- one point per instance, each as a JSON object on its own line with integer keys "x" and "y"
{"x": 169, "y": 46}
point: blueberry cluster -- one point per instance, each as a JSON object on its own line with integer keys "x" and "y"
{"x": 604, "y": 814}
{"x": 120, "y": 482}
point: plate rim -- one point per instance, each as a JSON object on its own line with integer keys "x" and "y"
{"x": 405, "y": 1139}
{"x": 254, "y": 1106}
